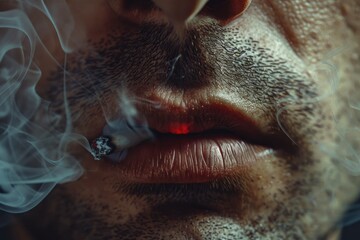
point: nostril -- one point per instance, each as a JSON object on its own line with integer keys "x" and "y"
{"x": 180, "y": 12}
{"x": 132, "y": 7}
{"x": 140, "y": 5}
{"x": 225, "y": 10}
{"x": 139, "y": 11}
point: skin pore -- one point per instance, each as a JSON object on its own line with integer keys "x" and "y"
{"x": 292, "y": 66}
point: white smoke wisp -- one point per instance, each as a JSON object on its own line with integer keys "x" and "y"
{"x": 345, "y": 152}
{"x": 33, "y": 156}
{"x": 130, "y": 128}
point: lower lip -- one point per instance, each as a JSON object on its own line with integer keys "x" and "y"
{"x": 189, "y": 158}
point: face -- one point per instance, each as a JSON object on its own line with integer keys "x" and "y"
{"x": 240, "y": 124}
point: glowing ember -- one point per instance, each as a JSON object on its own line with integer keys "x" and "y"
{"x": 179, "y": 128}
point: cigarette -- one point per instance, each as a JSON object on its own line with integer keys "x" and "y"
{"x": 118, "y": 139}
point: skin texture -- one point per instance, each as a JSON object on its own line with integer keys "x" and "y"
{"x": 292, "y": 66}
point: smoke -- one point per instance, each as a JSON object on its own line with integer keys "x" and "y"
{"x": 33, "y": 151}
{"x": 346, "y": 152}
{"x": 129, "y": 128}
{"x": 351, "y": 216}
{"x": 33, "y": 156}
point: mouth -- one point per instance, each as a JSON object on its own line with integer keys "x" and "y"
{"x": 199, "y": 143}
{"x": 191, "y": 158}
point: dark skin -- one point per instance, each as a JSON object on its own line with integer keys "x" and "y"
{"x": 268, "y": 67}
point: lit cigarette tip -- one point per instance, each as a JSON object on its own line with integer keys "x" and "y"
{"x": 101, "y": 147}
{"x": 106, "y": 145}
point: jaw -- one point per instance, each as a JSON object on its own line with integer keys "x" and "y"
{"x": 111, "y": 207}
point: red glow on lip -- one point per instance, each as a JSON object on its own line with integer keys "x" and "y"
{"x": 179, "y": 128}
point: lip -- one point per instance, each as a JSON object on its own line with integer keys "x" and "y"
{"x": 201, "y": 142}
{"x": 192, "y": 158}
{"x": 197, "y": 116}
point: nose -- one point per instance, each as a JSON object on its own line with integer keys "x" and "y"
{"x": 179, "y": 12}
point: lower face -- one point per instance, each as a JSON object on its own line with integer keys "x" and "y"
{"x": 282, "y": 74}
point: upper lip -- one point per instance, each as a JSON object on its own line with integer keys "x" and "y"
{"x": 200, "y": 116}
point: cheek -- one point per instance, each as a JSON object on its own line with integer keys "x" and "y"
{"x": 312, "y": 28}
